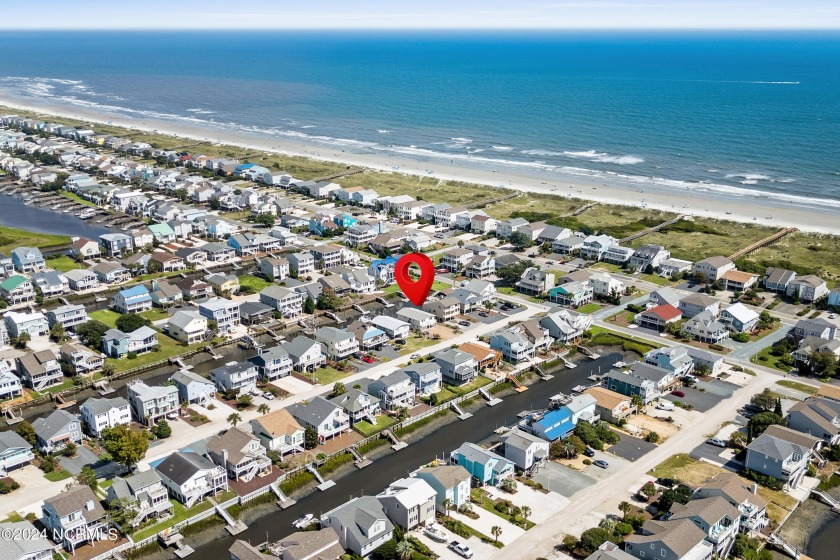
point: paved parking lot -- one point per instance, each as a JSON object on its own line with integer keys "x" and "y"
{"x": 703, "y": 401}
{"x": 631, "y": 448}
{"x": 543, "y": 505}
{"x": 614, "y": 461}
{"x": 492, "y": 317}
{"x": 717, "y": 455}
{"x": 86, "y": 457}
{"x": 562, "y": 480}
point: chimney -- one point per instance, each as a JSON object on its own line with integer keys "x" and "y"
{"x": 89, "y": 505}
{"x": 755, "y": 488}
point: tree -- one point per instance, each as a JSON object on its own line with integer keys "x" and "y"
{"x": 26, "y": 431}
{"x": 234, "y": 419}
{"x": 624, "y": 508}
{"x": 447, "y": 505}
{"x": 496, "y": 531}
{"x": 162, "y": 429}
{"x": 310, "y": 438}
{"x": 765, "y": 400}
{"x": 702, "y": 370}
{"x": 680, "y": 495}
{"x": 121, "y": 512}
{"x": 57, "y": 332}
{"x": 510, "y": 274}
{"x": 404, "y": 550}
{"x": 520, "y": 240}
{"x": 760, "y": 422}
{"x": 328, "y": 300}
{"x": 338, "y": 389}
{"x": 309, "y": 305}
{"x": 108, "y": 370}
{"x": 266, "y": 220}
{"x": 131, "y": 322}
{"x": 508, "y": 485}
{"x": 824, "y": 363}
{"x": 593, "y": 538}
{"x": 263, "y": 408}
{"x": 244, "y": 401}
{"x": 21, "y": 341}
{"x": 638, "y": 402}
{"x": 214, "y": 204}
{"x": 125, "y": 445}
{"x": 525, "y": 512}
{"x": 87, "y": 477}
{"x": 777, "y": 410}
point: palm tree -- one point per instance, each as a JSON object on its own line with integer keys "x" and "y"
{"x": 447, "y": 505}
{"x": 525, "y": 512}
{"x": 569, "y": 449}
{"x": 234, "y": 419}
{"x": 496, "y": 531}
{"x": 404, "y": 550}
{"x": 624, "y": 508}
{"x": 263, "y": 408}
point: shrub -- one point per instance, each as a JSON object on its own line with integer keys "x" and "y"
{"x": 652, "y": 437}
{"x": 623, "y": 529}
{"x": 587, "y": 462}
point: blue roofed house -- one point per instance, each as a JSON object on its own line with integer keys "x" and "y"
{"x": 555, "y": 424}
{"x": 28, "y": 259}
{"x": 382, "y": 270}
{"x": 132, "y": 300}
{"x": 485, "y": 467}
{"x": 368, "y": 336}
{"x": 117, "y": 344}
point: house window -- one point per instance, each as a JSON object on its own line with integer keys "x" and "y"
{"x": 642, "y": 553}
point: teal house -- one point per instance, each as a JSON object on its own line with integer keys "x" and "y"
{"x": 484, "y": 466}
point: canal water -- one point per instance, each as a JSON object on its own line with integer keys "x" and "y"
{"x": 823, "y": 544}
{"x": 14, "y": 213}
{"x": 374, "y": 478}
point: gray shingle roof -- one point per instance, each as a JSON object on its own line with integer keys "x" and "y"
{"x": 100, "y": 406}
{"x": 359, "y": 514}
{"x": 315, "y": 412}
{"x": 180, "y": 466}
{"x": 48, "y": 427}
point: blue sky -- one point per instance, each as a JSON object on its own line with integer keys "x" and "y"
{"x": 422, "y": 14}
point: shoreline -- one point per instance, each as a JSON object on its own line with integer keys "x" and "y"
{"x": 702, "y": 201}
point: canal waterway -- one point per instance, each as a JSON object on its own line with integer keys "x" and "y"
{"x": 14, "y": 213}
{"x": 374, "y": 478}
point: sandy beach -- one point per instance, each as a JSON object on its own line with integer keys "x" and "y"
{"x": 700, "y": 200}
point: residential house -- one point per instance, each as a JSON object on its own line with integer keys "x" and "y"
{"x": 361, "y": 523}
{"x": 675, "y": 359}
{"x": 163, "y": 233}
{"x": 456, "y": 259}
{"x": 568, "y": 245}
{"x": 165, "y": 294}
{"x": 163, "y": 261}
{"x": 111, "y": 273}
{"x": 51, "y": 283}
{"x": 609, "y": 551}
{"x": 336, "y": 284}
{"x": 716, "y": 517}
{"x": 272, "y": 363}
{"x": 74, "y": 517}
{"x": 194, "y": 289}
{"x": 117, "y": 344}
{"x": 782, "y": 453}
{"x": 218, "y": 253}
{"x": 116, "y": 244}
{"x": 807, "y": 288}
{"x": 658, "y": 318}
{"x": 138, "y": 263}
{"x": 834, "y": 298}
{"x": 150, "y": 403}
{"x": 524, "y": 449}
{"x": 55, "y": 431}
{"x": 506, "y": 227}
{"x": 188, "y": 327}
{"x": 457, "y": 367}
{"x": 68, "y": 316}
{"x": 425, "y": 376}
{"x": 338, "y": 343}
{"x": 145, "y": 495}
{"x": 368, "y": 336}
{"x": 712, "y": 361}
{"x": 649, "y": 257}
{"x": 595, "y": 247}
{"x": 39, "y": 370}
{"x": 358, "y": 405}
{"x": 818, "y": 417}
{"x": 712, "y": 268}
{"x": 739, "y": 318}
{"x": 28, "y": 260}
{"x": 394, "y": 391}
{"x": 14, "y": 452}
{"x": 566, "y": 326}
{"x": 409, "y": 502}
{"x": 777, "y": 279}
{"x": 697, "y": 303}
{"x": 235, "y": 376}
{"x": 326, "y": 417}
{"x": 10, "y": 385}
{"x": 193, "y": 256}
{"x": 480, "y": 266}
{"x": 223, "y": 284}
{"x": 811, "y": 345}
{"x": 609, "y": 405}
{"x": 419, "y": 320}
{"x": 444, "y": 309}
{"x": 288, "y": 302}
{"x": 706, "y": 328}
{"x": 451, "y": 484}
{"x": 513, "y": 344}
{"x": 323, "y": 544}
{"x": 327, "y": 256}
{"x": 485, "y": 356}
{"x": 80, "y": 358}
{"x": 804, "y": 328}
{"x": 670, "y": 268}
{"x": 279, "y": 431}
{"x": 240, "y": 454}
{"x": 306, "y": 354}
{"x": 535, "y": 282}
{"x": 223, "y": 311}
{"x": 663, "y": 296}
{"x": 669, "y": 540}
{"x": 301, "y": 264}
{"x": 485, "y": 467}
{"x": 646, "y": 382}
{"x": 132, "y": 300}
{"x": 616, "y": 254}
{"x": 100, "y": 414}
{"x": 17, "y": 289}
{"x": 740, "y": 494}
{"x": 394, "y": 328}
{"x": 360, "y": 281}
{"x": 604, "y": 285}
{"x": 738, "y": 281}
{"x": 275, "y": 268}
{"x": 572, "y": 294}
{"x": 190, "y": 478}
{"x": 193, "y": 388}
{"x": 81, "y": 280}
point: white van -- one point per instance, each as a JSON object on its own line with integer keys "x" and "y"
{"x": 664, "y": 405}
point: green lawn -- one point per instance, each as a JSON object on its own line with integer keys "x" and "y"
{"x": 367, "y": 429}
{"x": 607, "y": 267}
{"x": 77, "y": 198}
{"x": 155, "y": 314}
{"x": 483, "y": 500}
{"x": 476, "y": 383}
{"x": 64, "y": 385}
{"x": 414, "y": 343}
{"x": 168, "y": 349}
{"x": 764, "y": 358}
{"x": 445, "y": 395}
{"x": 105, "y": 316}
{"x": 589, "y": 308}
{"x": 180, "y": 514}
{"x": 11, "y": 238}
{"x": 797, "y": 386}
{"x": 63, "y": 264}
{"x": 57, "y": 476}
{"x": 436, "y": 286}
{"x": 329, "y": 375}
{"x": 655, "y": 279}
{"x": 256, "y": 284}
{"x": 507, "y": 290}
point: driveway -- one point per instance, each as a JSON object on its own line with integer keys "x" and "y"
{"x": 631, "y": 448}
{"x": 562, "y": 480}
{"x": 718, "y": 456}
{"x": 480, "y": 550}
{"x": 86, "y": 457}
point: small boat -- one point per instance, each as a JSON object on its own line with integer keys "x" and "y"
{"x": 435, "y": 533}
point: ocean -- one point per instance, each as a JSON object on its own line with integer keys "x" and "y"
{"x": 748, "y": 113}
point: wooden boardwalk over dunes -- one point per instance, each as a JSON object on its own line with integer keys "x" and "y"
{"x": 769, "y": 240}
{"x": 655, "y": 228}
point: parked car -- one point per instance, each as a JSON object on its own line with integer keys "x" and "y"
{"x": 832, "y": 315}
{"x": 665, "y": 405}
{"x": 460, "y": 549}
{"x": 303, "y": 521}
{"x": 589, "y": 452}
{"x": 717, "y": 442}
{"x": 367, "y": 359}
{"x": 601, "y": 463}
{"x": 750, "y": 407}
{"x": 464, "y": 323}
{"x": 414, "y": 356}
{"x": 483, "y": 314}
{"x": 399, "y": 341}
{"x": 690, "y": 378}
{"x": 678, "y": 393}
{"x": 268, "y": 396}
{"x": 666, "y": 482}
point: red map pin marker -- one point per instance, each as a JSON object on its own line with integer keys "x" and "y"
{"x": 417, "y": 291}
